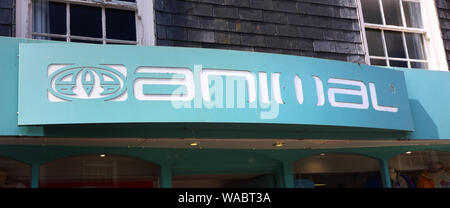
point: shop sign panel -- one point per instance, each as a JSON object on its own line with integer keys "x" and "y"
{"x": 84, "y": 83}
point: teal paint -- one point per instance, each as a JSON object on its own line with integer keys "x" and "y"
{"x": 36, "y": 80}
{"x": 166, "y": 176}
{"x": 279, "y": 179}
{"x": 35, "y": 175}
{"x": 430, "y": 117}
{"x": 9, "y": 70}
{"x": 186, "y": 161}
{"x": 385, "y": 176}
{"x": 429, "y": 97}
{"x": 430, "y": 113}
{"x": 212, "y": 161}
{"x": 109, "y": 81}
{"x": 288, "y": 175}
{"x": 219, "y": 130}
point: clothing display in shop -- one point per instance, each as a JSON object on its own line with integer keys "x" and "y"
{"x": 399, "y": 180}
{"x": 435, "y": 177}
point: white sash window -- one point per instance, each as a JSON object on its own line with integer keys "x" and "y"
{"x": 87, "y": 21}
{"x": 402, "y": 33}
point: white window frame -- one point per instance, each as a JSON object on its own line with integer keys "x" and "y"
{"x": 145, "y": 26}
{"x": 435, "y": 53}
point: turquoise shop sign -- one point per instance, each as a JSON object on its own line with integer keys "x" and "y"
{"x": 87, "y": 84}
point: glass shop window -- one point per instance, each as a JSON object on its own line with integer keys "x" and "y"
{"x": 395, "y": 33}
{"x": 14, "y": 174}
{"x": 335, "y": 170}
{"x": 224, "y": 181}
{"x": 99, "y": 171}
{"x": 420, "y": 169}
{"x": 86, "y": 23}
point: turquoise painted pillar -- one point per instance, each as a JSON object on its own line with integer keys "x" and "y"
{"x": 279, "y": 177}
{"x": 166, "y": 176}
{"x": 288, "y": 174}
{"x": 285, "y": 176}
{"x": 35, "y": 175}
{"x": 385, "y": 174}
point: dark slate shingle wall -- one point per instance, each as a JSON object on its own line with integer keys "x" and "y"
{"x": 443, "y": 7}
{"x": 7, "y": 18}
{"x": 316, "y": 28}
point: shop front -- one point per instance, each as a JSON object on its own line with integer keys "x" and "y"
{"x": 82, "y": 115}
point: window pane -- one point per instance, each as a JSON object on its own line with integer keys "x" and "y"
{"x": 413, "y": 15}
{"x": 120, "y": 24}
{"x": 420, "y": 169}
{"x": 49, "y": 17}
{"x": 333, "y": 170}
{"x": 58, "y": 18}
{"x": 371, "y": 11}
{"x": 378, "y": 62}
{"x": 99, "y": 171}
{"x": 418, "y": 65}
{"x": 127, "y": 0}
{"x": 392, "y": 12}
{"x": 415, "y": 46}
{"x": 86, "y": 41}
{"x": 394, "y": 44}
{"x": 48, "y": 38}
{"x": 14, "y": 174}
{"x": 58, "y": 39}
{"x": 374, "y": 42}
{"x": 86, "y": 21}
{"x": 398, "y": 63}
{"x": 40, "y": 37}
{"x": 117, "y": 43}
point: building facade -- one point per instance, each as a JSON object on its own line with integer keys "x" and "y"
{"x": 358, "y": 93}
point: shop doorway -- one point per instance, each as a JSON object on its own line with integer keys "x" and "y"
{"x": 420, "y": 169}
{"x": 14, "y": 174}
{"x": 224, "y": 181}
{"x": 99, "y": 171}
{"x": 335, "y": 170}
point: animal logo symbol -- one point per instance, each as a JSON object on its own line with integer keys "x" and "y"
{"x": 75, "y": 83}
